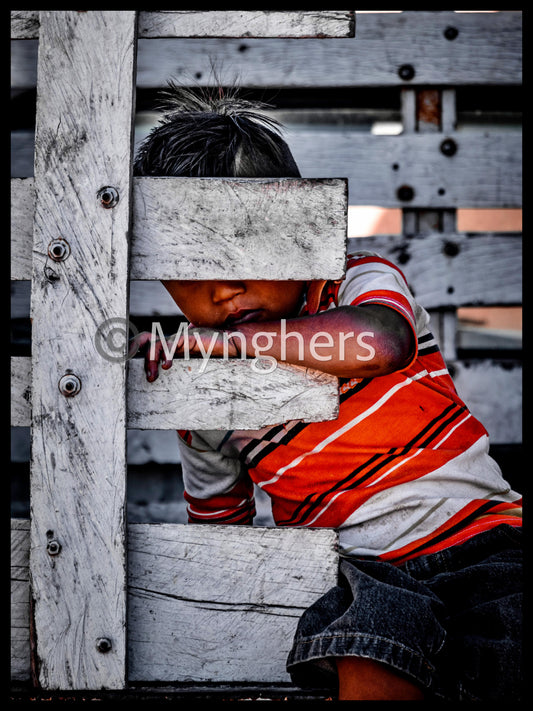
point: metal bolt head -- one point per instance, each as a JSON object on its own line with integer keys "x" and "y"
{"x": 406, "y": 72}
{"x": 103, "y": 645}
{"x": 451, "y": 32}
{"x": 448, "y": 147}
{"x": 53, "y": 547}
{"x": 405, "y": 193}
{"x": 58, "y": 249}
{"x": 69, "y": 385}
{"x": 108, "y": 196}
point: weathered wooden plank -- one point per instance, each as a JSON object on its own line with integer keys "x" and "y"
{"x": 231, "y": 394}
{"x": 207, "y": 603}
{"x": 211, "y": 228}
{"x": 24, "y": 24}
{"x": 455, "y": 269}
{"x": 220, "y": 23}
{"x": 485, "y": 170}
{"x": 487, "y": 49}
{"x": 492, "y": 390}
{"x": 220, "y": 228}
{"x": 492, "y": 386}
{"x": 20, "y": 600}
{"x": 230, "y": 248}
{"x": 78, "y": 468}
{"x": 247, "y": 23}
{"x": 22, "y": 209}
{"x": 411, "y": 170}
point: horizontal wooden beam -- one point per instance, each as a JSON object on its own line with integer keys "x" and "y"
{"x": 405, "y": 170}
{"x": 218, "y": 228}
{"x": 192, "y": 620}
{"x": 397, "y": 49}
{"x": 205, "y": 394}
{"x": 223, "y": 23}
{"x": 229, "y": 394}
{"x": 454, "y": 269}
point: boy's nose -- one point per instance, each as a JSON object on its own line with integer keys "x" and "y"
{"x": 227, "y": 290}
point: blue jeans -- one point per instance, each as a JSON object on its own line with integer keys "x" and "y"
{"x": 451, "y": 621}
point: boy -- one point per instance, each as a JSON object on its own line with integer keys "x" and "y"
{"x": 427, "y": 604}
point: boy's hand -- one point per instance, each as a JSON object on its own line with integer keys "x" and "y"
{"x": 154, "y": 353}
{"x": 195, "y": 342}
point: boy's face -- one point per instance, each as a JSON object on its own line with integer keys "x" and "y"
{"x": 224, "y": 304}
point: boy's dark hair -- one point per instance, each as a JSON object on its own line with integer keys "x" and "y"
{"x": 213, "y": 134}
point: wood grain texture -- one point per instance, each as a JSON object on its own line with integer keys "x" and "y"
{"x": 481, "y": 268}
{"x": 78, "y": 467}
{"x": 247, "y": 23}
{"x": 491, "y": 387}
{"x": 486, "y": 50}
{"x": 209, "y": 228}
{"x": 455, "y": 269}
{"x": 228, "y": 394}
{"x": 224, "y": 23}
{"x": 206, "y": 603}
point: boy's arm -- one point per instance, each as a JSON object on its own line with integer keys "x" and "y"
{"x": 349, "y": 341}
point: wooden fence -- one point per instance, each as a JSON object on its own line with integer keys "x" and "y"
{"x": 169, "y": 616}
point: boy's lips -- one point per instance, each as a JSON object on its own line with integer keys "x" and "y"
{"x": 242, "y": 316}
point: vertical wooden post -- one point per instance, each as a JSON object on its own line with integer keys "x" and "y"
{"x": 84, "y": 131}
{"x": 433, "y": 111}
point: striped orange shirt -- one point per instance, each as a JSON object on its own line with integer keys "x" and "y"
{"x": 404, "y": 470}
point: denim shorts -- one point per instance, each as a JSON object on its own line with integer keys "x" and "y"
{"x": 451, "y": 621}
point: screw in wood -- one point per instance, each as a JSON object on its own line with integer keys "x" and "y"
{"x": 58, "y": 249}
{"x": 448, "y": 147}
{"x": 69, "y": 385}
{"x": 103, "y": 645}
{"x": 53, "y": 547}
{"x": 405, "y": 193}
{"x": 108, "y": 196}
{"x": 406, "y": 72}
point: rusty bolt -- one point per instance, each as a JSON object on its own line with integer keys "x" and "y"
{"x": 448, "y": 147}
{"x": 53, "y": 547}
{"x": 108, "y": 196}
{"x": 69, "y": 385}
{"x": 405, "y": 193}
{"x": 103, "y": 644}
{"x": 58, "y": 249}
{"x": 406, "y": 72}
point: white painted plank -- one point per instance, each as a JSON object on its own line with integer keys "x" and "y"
{"x": 317, "y": 248}
{"x": 22, "y": 208}
{"x": 455, "y": 269}
{"x": 485, "y": 171}
{"x": 78, "y": 468}
{"x": 492, "y": 390}
{"x": 20, "y": 600}
{"x": 228, "y": 394}
{"x": 217, "y": 394}
{"x": 209, "y": 603}
{"x": 220, "y": 23}
{"x": 247, "y": 23}
{"x": 215, "y": 228}
{"x": 493, "y": 387}
{"x": 486, "y": 50}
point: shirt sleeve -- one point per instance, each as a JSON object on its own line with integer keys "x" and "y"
{"x": 371, "y": 279}
{"x": 217, "y": 488}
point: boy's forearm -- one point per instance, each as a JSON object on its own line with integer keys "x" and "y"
{"x": 352, "y": 341}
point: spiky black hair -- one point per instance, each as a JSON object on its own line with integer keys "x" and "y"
{"x": 215, "y": 133}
